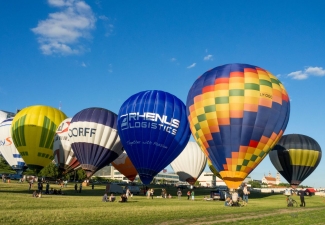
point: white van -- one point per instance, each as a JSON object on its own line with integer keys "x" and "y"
{"x": 114, "y": 188}
{"x": 133, "y": 189}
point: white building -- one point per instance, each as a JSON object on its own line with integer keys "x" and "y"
{"x": 5, "y": 115}
{"x": 269, "y": 180}
{"x": 109, "y": 172}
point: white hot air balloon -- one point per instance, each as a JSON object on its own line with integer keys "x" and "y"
{"x": 190, "y": 163}
{"x": 63, "y": 153}
{"x": 8, "y": 149}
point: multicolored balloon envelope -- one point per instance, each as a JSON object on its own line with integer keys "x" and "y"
{"x": 190, "y": 164}
{"x": 296, "y": 156}
{"x": 124, "y": 165}
{"x": 94, "y": 138}
{"x": 8, "y": 149}
{"x": 33, "y": 130}
{"x": 237, "y": 112}
{"x": 63, "y": 153}
{"x": 154, "y": 130}
{"x": 213, "y": 170}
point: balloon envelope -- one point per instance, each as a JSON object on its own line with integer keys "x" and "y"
{"x": 33, "y": 130}
{"x": 8, "y": 149}
{"x": 154, "y": 130}
{"x": 63, "y": 153}
{"x": 124, "y": 165}
{"x": 190, "y": 164}
{"x": 213, "y": 170}
{"x": 94, "y": 138}
{"x": 295, "y": 157}
{"x": 237, "y": 112}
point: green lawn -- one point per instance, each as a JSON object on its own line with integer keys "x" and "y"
{"x": 18, "y": 207}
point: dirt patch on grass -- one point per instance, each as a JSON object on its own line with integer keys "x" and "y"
{"x": 234, "y": 217}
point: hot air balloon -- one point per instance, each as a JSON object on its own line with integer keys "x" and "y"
{"x": 8, "y": 149}
{"x": 295, "y": 157}
{"x": 33, "y": 130}
{"x": 190, "y": 164}
{"x": 94, "y": 138}
{"x": 124, "y": 165}
{"x": 213, "y": 170}
{"x": 237, "y": 112}
{"x": 63, "y": 153}
{"x": 154, "y": 130}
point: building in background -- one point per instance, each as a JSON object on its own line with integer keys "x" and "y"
{"x": 269, "y": 180}
{"x": 5, "y": 115}
{"x": 109, "y": 172}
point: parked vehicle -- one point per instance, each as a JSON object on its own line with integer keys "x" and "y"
{"x": 133, "y": 189}
{"x": 114, "y": 188}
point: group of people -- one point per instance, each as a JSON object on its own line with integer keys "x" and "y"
{"x": 111, "y": 198}
{"x": 236, "y": 200}
{"x": 76, "y": 188}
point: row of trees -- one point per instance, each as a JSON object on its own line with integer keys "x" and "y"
{"x": 49, "y": 171}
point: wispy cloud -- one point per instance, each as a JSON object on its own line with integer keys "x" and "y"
{"x": 83, "y": 64}
{"x": 208, "y": 57}
{"x": 191, "y": 66}
{"x": 109, "y": 27}
{"x": 307, "y": 72}
{"x": 62, "y": 31}
{"x": 110, "y": 68}
{"x": 173, "y": 59}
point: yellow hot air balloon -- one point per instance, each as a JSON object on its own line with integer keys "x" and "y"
{"x": 33, "y": 130}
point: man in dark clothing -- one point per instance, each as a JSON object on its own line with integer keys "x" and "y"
{"x": 302, "y": 198}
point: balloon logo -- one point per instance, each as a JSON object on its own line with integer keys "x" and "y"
{"x": 8, "y": 149}
{"x": 190, "y": 164}
{"x": 154, "y": 130}
{"x": 33, "y": 130}
{"x": 237, "y": 112}
{"x": 94, "y": 138}
{"x": 124, "y": 165}
{"x": 63, "y": 153}
{"x": 295, "y": 157}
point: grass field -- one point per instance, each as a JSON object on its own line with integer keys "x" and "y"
{"x": 18, "y": 207}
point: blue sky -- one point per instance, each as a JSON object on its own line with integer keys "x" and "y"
{"x": 80, "y": 54}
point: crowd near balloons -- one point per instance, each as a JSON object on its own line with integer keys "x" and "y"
{"x": 237, "y": 115}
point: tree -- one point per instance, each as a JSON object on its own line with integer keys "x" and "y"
{"x": 50, "y": 171}
{"x": 5, "y": 167}
{"x": 81, "y": 174}
{"x": 254, "y": 184}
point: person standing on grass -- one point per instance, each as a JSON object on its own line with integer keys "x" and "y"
{"x": 151, "y": 193}
{"x": 302, "y": 198}
{"x": 179, "y": 193}
{"x": 188, "y": 195}
{"x": 80, "y": 187}
{"x": 192, "y": 194}
{"x": 245, "y": 193}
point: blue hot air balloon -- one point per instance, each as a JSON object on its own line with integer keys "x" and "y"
{"x": 94, "y": 138}
{"x": 154, "y": 130}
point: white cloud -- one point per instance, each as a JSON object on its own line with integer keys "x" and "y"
{"x": 208, "y": 57}
{"x": 191, "y": 66}
{"x": 109, "y": 27}
{"x": 110, "y": 68}
{"x": 173, "y": 59}
{"x": 62, "y": 31}
{"x": 309, "y": 71}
